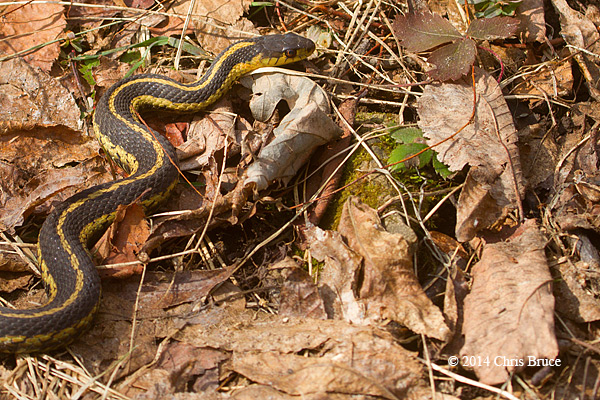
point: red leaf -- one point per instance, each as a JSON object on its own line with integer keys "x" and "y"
{"x": 423, "y": 31}
{"x": 493, "y": 28}
{"x": 453, "y": 61}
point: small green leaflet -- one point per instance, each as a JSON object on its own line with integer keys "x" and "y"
{"x": 410, "y": 141}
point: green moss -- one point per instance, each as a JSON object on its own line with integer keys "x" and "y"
{"x": 371, "y": 189}
{"x": 375, "y": 189}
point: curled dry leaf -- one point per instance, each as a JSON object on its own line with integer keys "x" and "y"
{"x": 207, "y": 135}
{"x": 297, "y": 136}
{"x": 299, "y": 133}
{"x": 55, "y": 184}
{"x": 181, "y": 367}
{"x": 40, "y": 138}
{"x": 390, "y": 288}
{"x": 339, "y": 277}
{"x": 488, "y": 145}
{"x": 554, "y": 79}
{"x": 512, "y": 293}
{"x": 533, "y": 23}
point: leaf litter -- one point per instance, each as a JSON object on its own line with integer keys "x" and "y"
{"x": 30, "y": 34}
{"x": 337, "y": 335}
{"x": 494, "y": 182}
{"x": 522, "y": 328}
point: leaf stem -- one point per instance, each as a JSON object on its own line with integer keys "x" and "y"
{"x": 497, "y": 57}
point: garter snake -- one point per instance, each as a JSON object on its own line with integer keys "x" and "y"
{"x": 71, "y": 281}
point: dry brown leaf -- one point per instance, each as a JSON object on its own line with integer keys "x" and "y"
{"x": 12, "y": 281}
{"x": 306, "y": 376}
{"x": 28, "y": 25}
{"x": 390, "y": 288}
{"x": 486, "y": 144}
{"x": 91, "y": 17}
{"x": 55, "y": 184}
{"x": 129, "y": 33}
{"x": 448, "y": 245}
{"x": 299, "y": 133}
{"x": 165, "y": 299}
{"x": 574, "y": 299}
{"x": 216, "y": 23}
{"x": 312, "y": 356}
{"x": 39, "y": 137}
{"x": 208, "y": 134}
{"x": 509, "y": 314}
{"x": 575, "y": 204}
{"x": 554, "y": 80}
{"x": 300, "y": 296}
{"x": 477, "y": 208}
{"x": 31, "y": 98}
{"x": 296, "y": 137}
{"x": 454, "y": 299}
{"x": 181, "y": 368}
{"x": 12, "y": 260}
{"x": 122, "y": 242}
{"x": 254, "y": 392}
{"x": 339, "y": 277}
{"x": 538, "y": 156}
{"x": 533, "y": 23}
{"x": 581, "y": 33}
{"x": 108, "y": 73}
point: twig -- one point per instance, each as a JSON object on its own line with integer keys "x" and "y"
{"x": 471, "y": 382}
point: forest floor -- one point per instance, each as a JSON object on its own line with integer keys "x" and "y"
{"x": 409, "y": 213}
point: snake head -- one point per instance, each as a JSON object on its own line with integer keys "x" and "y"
{"x": 276, "y": 50}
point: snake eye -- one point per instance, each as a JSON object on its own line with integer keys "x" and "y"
{"x": 290, "y": 53}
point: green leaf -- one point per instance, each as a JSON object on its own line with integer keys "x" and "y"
{"x": 131, "y": 56}
{"x": 76, "y": 44}
{"x": 440, "y": 168}
{"x": 406, "y": 135}
{"x": 187, "y": 47}
{"x": 85, "y": 68}
{"x": 405, "y": 150}
{"x": 409, "y": 137}
{"x": 492, "y": 12}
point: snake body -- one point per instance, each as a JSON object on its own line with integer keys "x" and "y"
{"x": 70, "y": 277}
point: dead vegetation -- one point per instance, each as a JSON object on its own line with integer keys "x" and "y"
{"x": 469, "y": 270}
